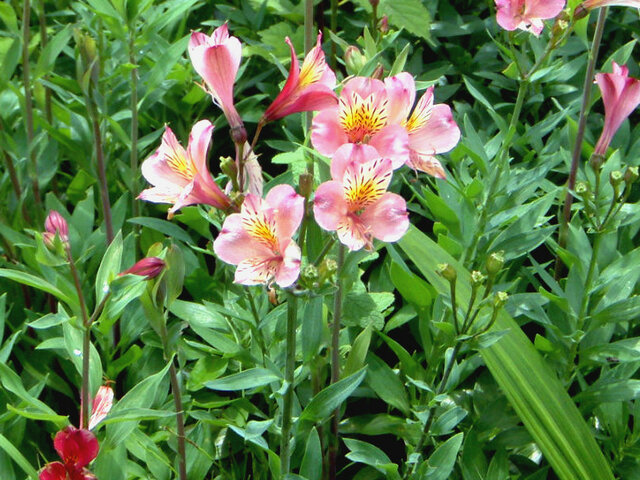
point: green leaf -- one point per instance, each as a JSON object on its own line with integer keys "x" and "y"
{"x": 252, "y": 378}
{"x": 384, "y": 381}
{"x": 327, "y": 400}
{"x": 368, "y": 454}
{"x": 311, "y": 467}
{"x": 109, "y": 267}
{"x": 17, "y": 457}
{"x": 171, "y": 230}
{"x": 36, "y": 282}
{"x": 539, "y": 399}
{"x": 358, "y": 352}
{"x": 443, "y": 460}
{"x": 54, "y": 47}
{"x": 411, "y": 15}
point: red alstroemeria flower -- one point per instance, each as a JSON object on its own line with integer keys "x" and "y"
{"x": 149, "y": 267}
{"x": 356, "y": 204}
{"x": 217, "y": 59}
{"x": 361, "y": 117}
{"x": 527, "y": 14}
{"x": 77, "y": 448}
{"x": 305, "y": 90}
{"x": 431, "y": 128}
{"x": 259, "y": 238}
{"x": 620, "y": 95}
{"x": 181, "y": 176}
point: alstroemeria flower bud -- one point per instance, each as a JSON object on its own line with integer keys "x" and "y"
{"x": 56, "y": 224}
{"x": 149, "y": 267}
{"x": 585, "y": 7}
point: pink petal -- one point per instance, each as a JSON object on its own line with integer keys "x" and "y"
{"x": 283, "y": 100}
{"x": 392, "y": 142}
{"x": 157, "y": 169}
{"x": 401, "y": 91}
{"x": 387, "y": 219}
{"x": 199, "y": 140}
{"x": 507, "y": 14}
{"x": 286, "y": 208}
{"x": 102, "y": 404}
{"x": 76, "y": 447}
{"x": 544, "y": 9}
{"x": 256, "y": 271}
{"x": 426, "y": 163}
{"x": 53, "y": 471}
{"x": 357, "y": 153}
{"x": 234, "y": 244}
{"x": 354, "y": 233}
{"x": 163, "y": 194}
{"x": 438, "y": 135}
{"x": 364, "y": 87}
{"x": 289, "y": 269}
{"x": 329, "y": 205}
{"x": 326, "y": 133}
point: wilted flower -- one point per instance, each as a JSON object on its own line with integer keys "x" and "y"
{"x": 259, "y": 238}
{"x": 102, "y": 404}
{"x": 526, "y": 14}
{"x": 149, "y": 267}
{"x": 217, "y": 59}
{"x": 77, "y": 448}
{"x": 620, "y": 95}
{"x": 431, "y": 128}
{"x": 181, "y": 177}
{"x": 305, "y": 90}
{"x": 361, "y": 117}
{"x": 356, "y": 204}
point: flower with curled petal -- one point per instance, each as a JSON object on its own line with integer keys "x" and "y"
{"x": 77, "y": 447}
{"x": 356, "y": 203}
{"x": 431, "y": 128}
{"x": 305, "y": 90}
{"x": 620, "y": 95}
{"x": 259, "y": 238}
{"x": 527, "y": 14}
{"x": 217, "y": 59}
{"x": 181, "y": 176}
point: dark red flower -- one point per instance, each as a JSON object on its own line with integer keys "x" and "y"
{"x": 77, "y": 447}
{"x": 149, "y": 267}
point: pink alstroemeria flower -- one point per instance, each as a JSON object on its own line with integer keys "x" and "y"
{"x": 585, "y": 7}
{"x": 356, "y": 204}
{"x": 101, "y": 407}
{"x": 527, "y": 14}
{"x": 305, "y": 90}
{"x": 431, "y": 128}
{"x": 361, "y": 117}
{"x": 620, "y": 95}
{"x": 217, "y": 59}
{"x": 181, "y": 176}
{"x": 259, "y": 238}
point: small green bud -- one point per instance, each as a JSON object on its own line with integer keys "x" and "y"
{"x": 305, "y": 183}
{"x": 228, "y": 167}
{"x": 310, "y": 273}
{"x": 354, "y": 59}
{"x": 477, "y": 278}
{"x": 582, "y": 188}
{"x": 596, "y": 161}
{"x": 495, "y": 262}
{"x": 631, "y": 175}
{"x": 500, "y": 299}
{"x": 616, "y": 177}
{"x": 378, "y": 72}
{"x": 447, "y": 272}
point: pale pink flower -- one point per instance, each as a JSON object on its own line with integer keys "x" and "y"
{"x": 588, "y": 5}
{"x": 527, "y": 14}
{"x": 102, "y": 404}
{"x": 356, "y": 204}
{"x": 217, "y": 59}
{"x": 259, "y": 238}
{"x": 620, "y": 95}
{"x": 431, "y": 128}
{"x": 305, "y": 90}
{"x": 181, "y": 176}
{"x": 361, "y": 117}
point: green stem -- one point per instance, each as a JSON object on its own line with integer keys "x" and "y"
{"x": 587, "y": 284}
{"x": 290, "y": 365}
{"x": 177, "y": 401}
{"x": 335, "y": 363}
{"x": 134, "y": 124}
{"x": 334, "y": 27}
{"x": 427, "y": 426}
{"x": 102, "y": 175}
{"x": 565, "y": 218}
{"x": 454, "y": 306}
{"x": 86, "y": 340}
{"x": 28, "y": 101}
{"x": 42, "y": 19}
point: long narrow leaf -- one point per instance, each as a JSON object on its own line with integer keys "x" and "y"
{"x": 535, "y": 393}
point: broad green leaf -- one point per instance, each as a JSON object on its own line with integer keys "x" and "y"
{"x": 311, "y": 467}
{"x": 252, "y": 378}
{"x": 442, "y": 461}
{"x": 171, "y": 230}
{"x": 327, "y": 400}
{"x": 387, "y": 385}
{"x": 358, "y": 352}
{"x": 411, "y": 15}
{"x": 36, "y": 282}
{"x": 536, "y": 395}
{"x": 312, "y": 326}
{"x": 368, "y": 454}
{"x": 109, "y": 267}
{"x": 17, "y": 457}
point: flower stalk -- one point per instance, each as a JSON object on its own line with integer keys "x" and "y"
{"x": 287, "y": 407}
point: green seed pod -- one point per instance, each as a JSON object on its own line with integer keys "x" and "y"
{"x": 477, "y": 278}
{"x": 495, "y": 262}
{"x": 447, "y": 272}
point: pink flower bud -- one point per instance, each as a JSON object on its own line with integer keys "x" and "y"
{"x": 149, "y": 267}
{"x": 56, "y": 224}
{"x": 102, "y": 404}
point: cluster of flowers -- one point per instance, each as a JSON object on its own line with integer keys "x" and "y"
{"x": 620, "y": 93}
{"x": 369, "y": 130}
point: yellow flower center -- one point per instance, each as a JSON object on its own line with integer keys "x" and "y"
{"x": 365, "y": 186}
{"x": 259, "y": 227}
{"x": 361, "y": 119}
{"x": 311, "y": 72}
{"x": 181, "y": 165}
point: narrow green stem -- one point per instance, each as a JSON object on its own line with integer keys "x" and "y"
{"x": 28, "y": 100}
{"x": 42, "y": 19}
{"x": 86, "y": 340}
{"x": 335, "y": 363}
{"x": 324, "y": 251}
{"x": 334, "y": 26}
{"x": 427, "y": 426}
{"x": 134, "y": 123}
{"x": 256, "y": 330}
{"x": 374, "y": 20}
{"x": 454, "y": 306}
{"x": 587, "y": 284}
{"x": 177, "y": 401}
{"x": 565, "y": 218}
{"x": 468, "y": 321}
{"x": 102, "y": 175}
{"x": 290, "y": 365}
